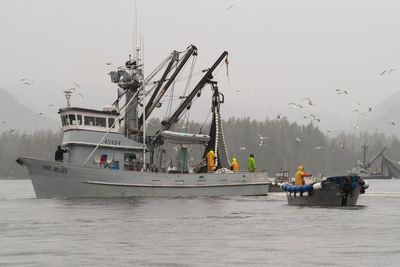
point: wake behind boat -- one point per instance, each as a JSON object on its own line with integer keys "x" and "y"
{"x": 108, "y": 153}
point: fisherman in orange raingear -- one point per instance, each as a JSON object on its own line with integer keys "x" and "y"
{"x": 299, "y": 176}
{"x": 211, "y": 161}
{"x": 235, "y": 165}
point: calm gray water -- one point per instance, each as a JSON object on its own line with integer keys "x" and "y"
{"x": 235, "y": 231}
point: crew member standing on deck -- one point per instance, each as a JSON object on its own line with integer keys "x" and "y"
{"x": 59, "y": 155}
{"x": 211, "y": 161}
{"x": 235, "y": 165}
{"x": 299, "y": 176}
{"x": 251, "y": 163}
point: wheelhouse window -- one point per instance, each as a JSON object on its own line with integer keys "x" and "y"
{"x": 95, "y": 121}
{"x": 72, "y": 119}
{"x": 101, "y": 122}
{"x": 111, "y": 123}
{"x": 67, "y": 122}
{"x": 90, "y": 121}
{"x": 79, "y": 119}
{"x": 63, "y": 120}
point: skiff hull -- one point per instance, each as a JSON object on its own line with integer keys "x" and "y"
{"x": 330, "y": 194}
{"x": 59, "y": 180}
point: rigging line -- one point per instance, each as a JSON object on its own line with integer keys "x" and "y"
{"x": 187, "y": 115}
{"x": 189, "y": 77}
{"x": 194, "y": 74}
{"x": 159, "y": 67}
{"x": 109, "y": 129}
{"x": 169, "y": 105}
{"x": 220, "y": 67}
{"x": 169, "y": 109}
{"x": 204, "y": 123}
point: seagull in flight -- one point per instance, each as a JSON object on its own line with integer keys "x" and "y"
{"x": 278, "y": 116}
{"x": 318, "y": 147}
{"x": 309, "y": 101}
{"x": 108, "y": 63}
{"x": 356, "y": 126}
{"x": 242, "y": 148}
{"x": 262, "y": 137}
{"x": 392, "y": 123}
{"x": 77, "y": 85}
{"x": 387, "y": 71}
{"x": 294, "y": 105}
{"x": 341, "y": 92}
{"x": 230, "y": 6}
{"x": 298, "y": 139}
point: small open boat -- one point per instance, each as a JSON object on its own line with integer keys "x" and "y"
{"x": 332, "y": 191}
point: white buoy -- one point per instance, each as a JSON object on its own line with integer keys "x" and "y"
{"x": 365, "y": 185}
{"x": 317, "y": 186}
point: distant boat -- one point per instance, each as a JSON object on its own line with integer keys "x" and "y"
{"x": 282, "y": 176}
{"x": 332, "y": 191}
{"x": 383, "y": 171}
{"x": 109, "y": 154}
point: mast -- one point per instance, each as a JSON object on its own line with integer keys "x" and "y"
{"x": 130, "y": 79}
{"x": 364, "y": 147}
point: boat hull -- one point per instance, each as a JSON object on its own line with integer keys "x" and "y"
{"x": 58, "y": 180}
{"x": 330, "y": 195}
{"x": 275, "y": 188}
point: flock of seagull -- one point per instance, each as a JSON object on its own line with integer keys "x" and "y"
{"x": 29, "y": 82}
{"x": 307, "y": 102}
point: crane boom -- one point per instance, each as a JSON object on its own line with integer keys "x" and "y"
{"x": 192, "y": 51}
{"x": 206, "y": 79}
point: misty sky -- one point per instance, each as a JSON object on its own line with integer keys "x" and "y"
{"x": 279, "y": 51}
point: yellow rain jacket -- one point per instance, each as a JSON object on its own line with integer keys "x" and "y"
{"x": 235, "y": 165}
{"x": 211, "y": 161}
{"x": 299, "y": 176}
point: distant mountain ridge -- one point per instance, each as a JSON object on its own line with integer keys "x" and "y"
{"x": 14, "y": 116}
{"x": 385, "y": 117}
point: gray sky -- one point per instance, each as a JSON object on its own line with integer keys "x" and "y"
{"x": 280, "y": 51}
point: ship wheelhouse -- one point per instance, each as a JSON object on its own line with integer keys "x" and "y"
{"x": 89, "y": 119}
{"x": 85, "y": 129}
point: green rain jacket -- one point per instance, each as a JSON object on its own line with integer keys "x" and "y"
{"x": 251, "y": 164}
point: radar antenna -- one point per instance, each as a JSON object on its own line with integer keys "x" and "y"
{"x": 68, "y": 94}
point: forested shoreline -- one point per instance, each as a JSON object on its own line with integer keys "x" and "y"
{"x": 285, "y": 146}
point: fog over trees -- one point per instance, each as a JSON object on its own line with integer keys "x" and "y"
{"x": 285, "y": 145}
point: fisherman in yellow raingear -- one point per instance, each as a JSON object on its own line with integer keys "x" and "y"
{"x": 235, "y": 165}
{"x": 211, "y": 161}
{"x": 299, "y": 176}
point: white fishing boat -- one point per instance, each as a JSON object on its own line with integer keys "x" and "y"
{"x": 108, "y": 154}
